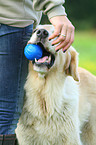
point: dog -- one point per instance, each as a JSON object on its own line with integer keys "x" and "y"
{"x": 60, "y": 101}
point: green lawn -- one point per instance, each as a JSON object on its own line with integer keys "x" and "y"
{"x": 85, "y": 44}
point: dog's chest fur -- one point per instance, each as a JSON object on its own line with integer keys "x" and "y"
{"x": 48, "y": 115}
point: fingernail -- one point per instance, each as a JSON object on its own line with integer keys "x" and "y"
{"x": 64, "y": 50}
{"x": 57, "y": 50}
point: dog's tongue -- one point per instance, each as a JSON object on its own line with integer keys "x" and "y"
{"x": 43, "y": 59}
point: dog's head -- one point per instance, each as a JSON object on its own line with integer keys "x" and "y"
{"x": 52, "y": 60}
{"x": 40, "y": 37}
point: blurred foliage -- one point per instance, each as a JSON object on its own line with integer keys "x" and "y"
{"x": 85, "y": 44}
{"x": 82, "y": 13}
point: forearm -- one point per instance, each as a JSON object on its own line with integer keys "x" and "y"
{"x": 51, "y": 8}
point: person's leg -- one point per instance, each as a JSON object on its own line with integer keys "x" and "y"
{"x": 9, "y": 139}
{"x": 13, "y": 72}
{"x": 1, "y": 139}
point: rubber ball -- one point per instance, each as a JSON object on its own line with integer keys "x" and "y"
{"x": 33, "y": 51}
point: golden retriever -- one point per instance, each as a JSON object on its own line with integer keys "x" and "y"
{"x": 60, "y": 101}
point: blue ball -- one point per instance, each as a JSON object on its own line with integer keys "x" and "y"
{"x": 33, "y": 51}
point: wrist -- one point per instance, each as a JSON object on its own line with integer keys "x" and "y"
{"x": 56, "y": 11}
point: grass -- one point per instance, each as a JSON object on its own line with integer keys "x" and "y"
{"x": 85, "y": 44}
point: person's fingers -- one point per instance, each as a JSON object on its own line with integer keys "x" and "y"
{"x": 67, "y": 39}
{"x": 56, "y": 33}
{"x": 61, "y": 37}
{"x": 64, "y": 27}
{"x": 70, "y": 42}
{"x": 60, "y": 46}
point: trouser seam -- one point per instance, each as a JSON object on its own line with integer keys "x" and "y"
{"x": 20, "y": 72}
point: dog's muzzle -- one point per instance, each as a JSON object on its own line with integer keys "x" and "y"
{"x": 47, "y": 58}
{"x": 42, "y": 33}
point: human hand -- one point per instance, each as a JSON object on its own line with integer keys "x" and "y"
{"x": 64, "y": 31}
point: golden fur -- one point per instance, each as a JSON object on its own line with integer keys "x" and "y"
{"x": 60, "y": 102}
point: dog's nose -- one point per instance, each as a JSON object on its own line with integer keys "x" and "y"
{"x": 42, "y": 33}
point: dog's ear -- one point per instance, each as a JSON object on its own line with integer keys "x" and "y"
{"x": 71, "y": 65}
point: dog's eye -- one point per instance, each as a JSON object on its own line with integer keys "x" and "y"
{"x": 34, "y": 30}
